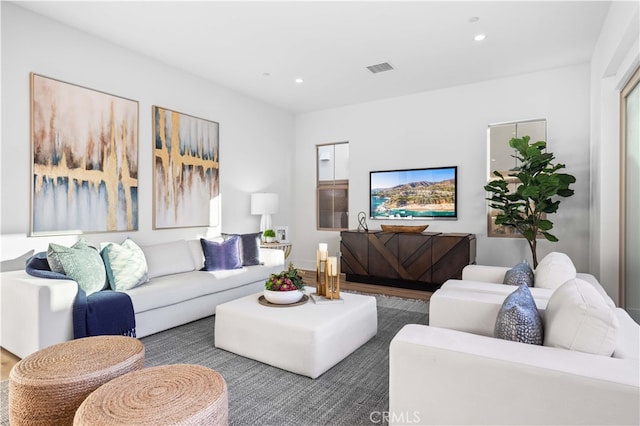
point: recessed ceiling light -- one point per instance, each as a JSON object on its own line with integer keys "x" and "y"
{"x": 473, "y": 19}
{"x": 266, "y": 74}
{"x": 299, "y": 80}
{"x": 480, "y": 37}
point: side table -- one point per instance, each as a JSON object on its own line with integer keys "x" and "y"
{"x": 285, "y": 247}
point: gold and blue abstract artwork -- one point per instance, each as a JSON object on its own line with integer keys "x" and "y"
{"x": 85, "y": 159}
{"x": 185, "y": 170}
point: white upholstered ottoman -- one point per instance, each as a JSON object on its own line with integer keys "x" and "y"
{"x": 308, "y": 339}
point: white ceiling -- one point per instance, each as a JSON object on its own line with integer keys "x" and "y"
{"x": 329, "y": 43}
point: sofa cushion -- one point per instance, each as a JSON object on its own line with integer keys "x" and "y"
{"x": 221, "y": 256}
{"x": 173, "y": 289}
{"x": 168, "y": 258}
{"x": 518, "y": 319}
{"x": 125, "y": 265}
{"x": 554, "y": 270}
{"x": 578, "y": 318}
{"x": 80, "y": 262}
{"x": 519, "y": 274}
{"x": 249, "y": 247}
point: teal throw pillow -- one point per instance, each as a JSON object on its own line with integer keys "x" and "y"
{"x": 125, "y": 264}
{"x": 80, "y": 262}
{"x": 518, "y": 319}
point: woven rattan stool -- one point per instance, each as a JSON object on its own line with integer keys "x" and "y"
{"x": 180, "y": 394}
{"x": 48, "y": 386}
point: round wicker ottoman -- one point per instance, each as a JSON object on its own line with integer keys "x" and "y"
{"x": 180, "y": 394}
{"x": 48, "y": 386}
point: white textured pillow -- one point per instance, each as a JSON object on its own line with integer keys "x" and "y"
{"x": 578, "y": 318}
{"x": 125, "y": 265}
{"x": 554, "y": 270}
{"x": 168, "y": 258}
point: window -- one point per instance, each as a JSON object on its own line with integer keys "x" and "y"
{"x": 332, "y": 188}
{"x": 629, "y": 199}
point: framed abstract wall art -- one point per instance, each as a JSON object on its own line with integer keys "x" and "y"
{"x": 185, "y": 170}
{"x": 84, "y": 159}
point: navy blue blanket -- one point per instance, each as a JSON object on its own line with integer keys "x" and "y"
{"x": 104, "y": 312}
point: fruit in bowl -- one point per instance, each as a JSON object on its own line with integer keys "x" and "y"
{"x": 284, "y": 288}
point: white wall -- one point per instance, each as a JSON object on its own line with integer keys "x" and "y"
{"x": 615, "y": 57}
{"x": 449, "y": 127}
{"x": 250, "y": 131}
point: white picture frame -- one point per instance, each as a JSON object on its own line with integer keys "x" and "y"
{"x": 282, "y": 234}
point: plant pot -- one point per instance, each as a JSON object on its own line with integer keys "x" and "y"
{"x": 283, "y": 297}
{"x": 269, "y": 239}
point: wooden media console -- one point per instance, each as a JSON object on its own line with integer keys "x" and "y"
{"x": 419, "y": 261}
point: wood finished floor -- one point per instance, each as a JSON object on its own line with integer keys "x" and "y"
{"x": 9, "y": 359}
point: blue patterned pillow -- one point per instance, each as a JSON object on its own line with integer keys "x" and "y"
{"x": 223, "y": 255}
{"x": 125, "y": 264}
{"x": 249, "y": 247}
{"x": 80, "y": 262}
{"x": 518, "y": 319}
{"x": 519, "y": 274}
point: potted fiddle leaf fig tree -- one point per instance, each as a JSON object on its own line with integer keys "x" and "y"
{"x": 535, "y": 197}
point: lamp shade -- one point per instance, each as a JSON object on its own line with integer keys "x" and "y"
{"x": 264, "y": 203}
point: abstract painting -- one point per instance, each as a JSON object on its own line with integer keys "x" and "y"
{"x": 185, "y": 170}
{"x": 85, "y": 159}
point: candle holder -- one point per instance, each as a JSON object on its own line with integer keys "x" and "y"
{"x": 333, "y": 281}
{"x": 321, "y": 273}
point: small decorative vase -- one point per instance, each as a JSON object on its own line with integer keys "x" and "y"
{"x": 283, "y": 297}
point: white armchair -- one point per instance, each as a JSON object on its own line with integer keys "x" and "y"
{"x": 441, "y": 376}
{"x": 455, "y": 372}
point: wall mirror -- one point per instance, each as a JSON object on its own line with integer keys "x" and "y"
{"x": 500, "y": 156}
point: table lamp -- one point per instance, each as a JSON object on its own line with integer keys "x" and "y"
{"x": 265, "y": 204}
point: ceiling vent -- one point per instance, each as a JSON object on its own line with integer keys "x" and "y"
{"x": 385, "y": 66}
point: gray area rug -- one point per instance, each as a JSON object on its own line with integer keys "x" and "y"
{"x": 354, "y": 392}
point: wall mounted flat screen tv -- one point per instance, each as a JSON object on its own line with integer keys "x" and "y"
{"x": 429, "y": 193}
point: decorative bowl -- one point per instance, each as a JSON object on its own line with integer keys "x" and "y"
{"x": 283, "y": 297}
{"x": 401, "y": 228}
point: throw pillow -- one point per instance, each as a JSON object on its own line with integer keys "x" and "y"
{"x": 80, "y": 262}
{"x": 579, "y": 319}
{"x": 249, "y": 247}
{"x": 223, "y": 255}
{"x": 519, "y": 274}
{"x": 554, "y": 270}
{"x": 518, "y": 319}
{"x": 125, "y": 264}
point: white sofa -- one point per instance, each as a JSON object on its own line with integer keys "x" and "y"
{"x": 37, "y": 312}
{"x": 457, "y": 373}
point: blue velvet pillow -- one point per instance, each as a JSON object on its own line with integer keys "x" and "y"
{"x": 518, "y": 319}
{"x": 519, "y": 274}
{"x": 249, "y": 247}
{"x": 221, "y": 256}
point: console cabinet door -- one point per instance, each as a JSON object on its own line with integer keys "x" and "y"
{"x": 354, "y": 251}
{"x": 451, "y": 253}
{"x": 414, "y": 256}
{"x": 383, "y": 255}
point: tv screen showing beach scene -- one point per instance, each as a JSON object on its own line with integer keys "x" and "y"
{"x": 428, "y": 193}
